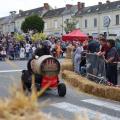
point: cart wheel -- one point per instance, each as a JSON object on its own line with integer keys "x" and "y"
{"x": 24, "y": 79}
{"x": 61, "y": 90}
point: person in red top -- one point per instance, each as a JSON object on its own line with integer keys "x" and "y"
{"x": 104, "y": 47}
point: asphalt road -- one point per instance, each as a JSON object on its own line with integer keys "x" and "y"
{"x": 73, "y": 103}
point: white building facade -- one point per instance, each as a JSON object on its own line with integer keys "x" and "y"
{"x": 91, "y": 19}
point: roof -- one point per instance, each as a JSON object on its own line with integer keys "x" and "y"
{"x": 54, "y": 13}
{"x": 99, "y": 8}
{"x": 30, "y": 12}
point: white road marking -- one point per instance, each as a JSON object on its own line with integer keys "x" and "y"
{"x": 103, "y": 104}
{"x": 9, "y": 71}
{"x": 77, "y": 109}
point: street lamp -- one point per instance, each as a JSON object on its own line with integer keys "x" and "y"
{"x": 12, "y": 13}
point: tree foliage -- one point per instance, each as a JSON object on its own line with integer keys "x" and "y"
{"x": 33, "y": 22}
{"x": 38, "y": 36}
{"x": 19, "y": 37}
{"x": 70, "y": 25}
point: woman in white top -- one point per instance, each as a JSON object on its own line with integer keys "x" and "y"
{"x": 77, "y": 58}
{"x": 3, "y": 54}
{"x": 22, "y": 53}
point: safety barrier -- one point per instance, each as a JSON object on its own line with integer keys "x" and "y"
{"x": 96, "y": 69}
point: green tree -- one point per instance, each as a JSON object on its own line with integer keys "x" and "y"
{"x": 33, "y": 22}
{"x": 70, "y": 25}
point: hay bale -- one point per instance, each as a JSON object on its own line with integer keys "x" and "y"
{"x": 22, "y": 107}
{"x": 90, "y": 87}
{"x": 69, "y": 51}
{"x": 67, "y": 65}
{"x": 113, "y": 93}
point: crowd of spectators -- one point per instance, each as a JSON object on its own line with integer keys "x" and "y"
{"x": 109, "y": 50}
{"x": 12, "y": 49}
{"x": 22, "y": 50}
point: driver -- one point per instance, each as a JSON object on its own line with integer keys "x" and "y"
{"x": 27, "y": 74}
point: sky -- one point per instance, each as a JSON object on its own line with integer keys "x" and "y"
{"x": 15, "y": 5}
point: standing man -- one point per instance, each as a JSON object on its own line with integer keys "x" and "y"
{"x": 93, "y": 45}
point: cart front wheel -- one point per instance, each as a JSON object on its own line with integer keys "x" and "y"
{"x": 61, "y": 89}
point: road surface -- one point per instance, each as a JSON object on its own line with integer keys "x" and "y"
{"x": 73, "y": 103}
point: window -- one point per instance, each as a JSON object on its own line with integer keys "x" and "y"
{"x": 97, "y": 9}
{"x": 95, "y": 22}
{"x": 45, "y": 25}
{"x": 67, "y": 20}
{"x": 56, "y": 24}
{"x": 117, "y": 20}
{"x": 85, "y": 23}
{"x": 27, "y": 14}
{"x": 78, "y": 25}
{"x": 89, "y": 11}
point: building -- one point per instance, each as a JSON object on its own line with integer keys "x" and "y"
{"x": 92, "y": 19}
{"x": 12, "y": 23}
{"x": 54, "y": 19}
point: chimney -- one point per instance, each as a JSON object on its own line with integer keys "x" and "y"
{"x": 99, "y": 3}
{"x": 46, "y": 6}
{"x": 68, "y": 6}
{"x": 21, "y": 11}
{"x": 79, "y": 4}
{"x": 83, "y": 5}
{"x": 107, "y": 1}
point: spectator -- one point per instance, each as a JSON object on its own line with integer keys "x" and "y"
{"x": 27, "y": 49}
{"x": 58, "y": 50}
{"x": 93, "y": 45}
{"x": 118, "y": 46}
{"x": 33, "y": 48}
{"x": 22, "y": 53}
{"x": 3, "y": 54}
{"x": 111, "y": 59}
{"x": 103, "y": 47}
{"x": 77, "y": 57}
{"x": 17, "y": 51}
{"x": 11, "y": 51}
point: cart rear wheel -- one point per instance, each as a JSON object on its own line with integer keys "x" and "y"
{"x": 61, "y": 89}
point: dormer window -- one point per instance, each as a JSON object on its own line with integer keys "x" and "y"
{"x": 97, "y": 9}
{"x": 89, "y": 10}
{"x": 32, "y": 13}
{"x": 26, "y": 13}
{"x": 118, "y": 6}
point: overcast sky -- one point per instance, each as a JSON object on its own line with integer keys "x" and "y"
{"x": 9, "y": 5}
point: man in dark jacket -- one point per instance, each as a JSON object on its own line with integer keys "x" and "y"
{"x": 93, "y": 45}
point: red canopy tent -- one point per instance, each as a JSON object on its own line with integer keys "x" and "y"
{"x": 75, "y": 35}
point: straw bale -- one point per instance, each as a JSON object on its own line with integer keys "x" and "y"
{"x": 90, "y": 87}
{"x": 69, "y": 51}
{"x": 67, "y": 65}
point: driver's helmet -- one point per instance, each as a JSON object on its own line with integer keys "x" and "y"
{"x": 46, "y": 44}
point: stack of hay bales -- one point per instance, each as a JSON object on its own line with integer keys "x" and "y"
{"x": 90, "y": 87}
{"x": 21, "y": 107}
{"x": 83, "y": 84}
{"x": 69, "y": 52}
{"x": 67, "y": 64}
